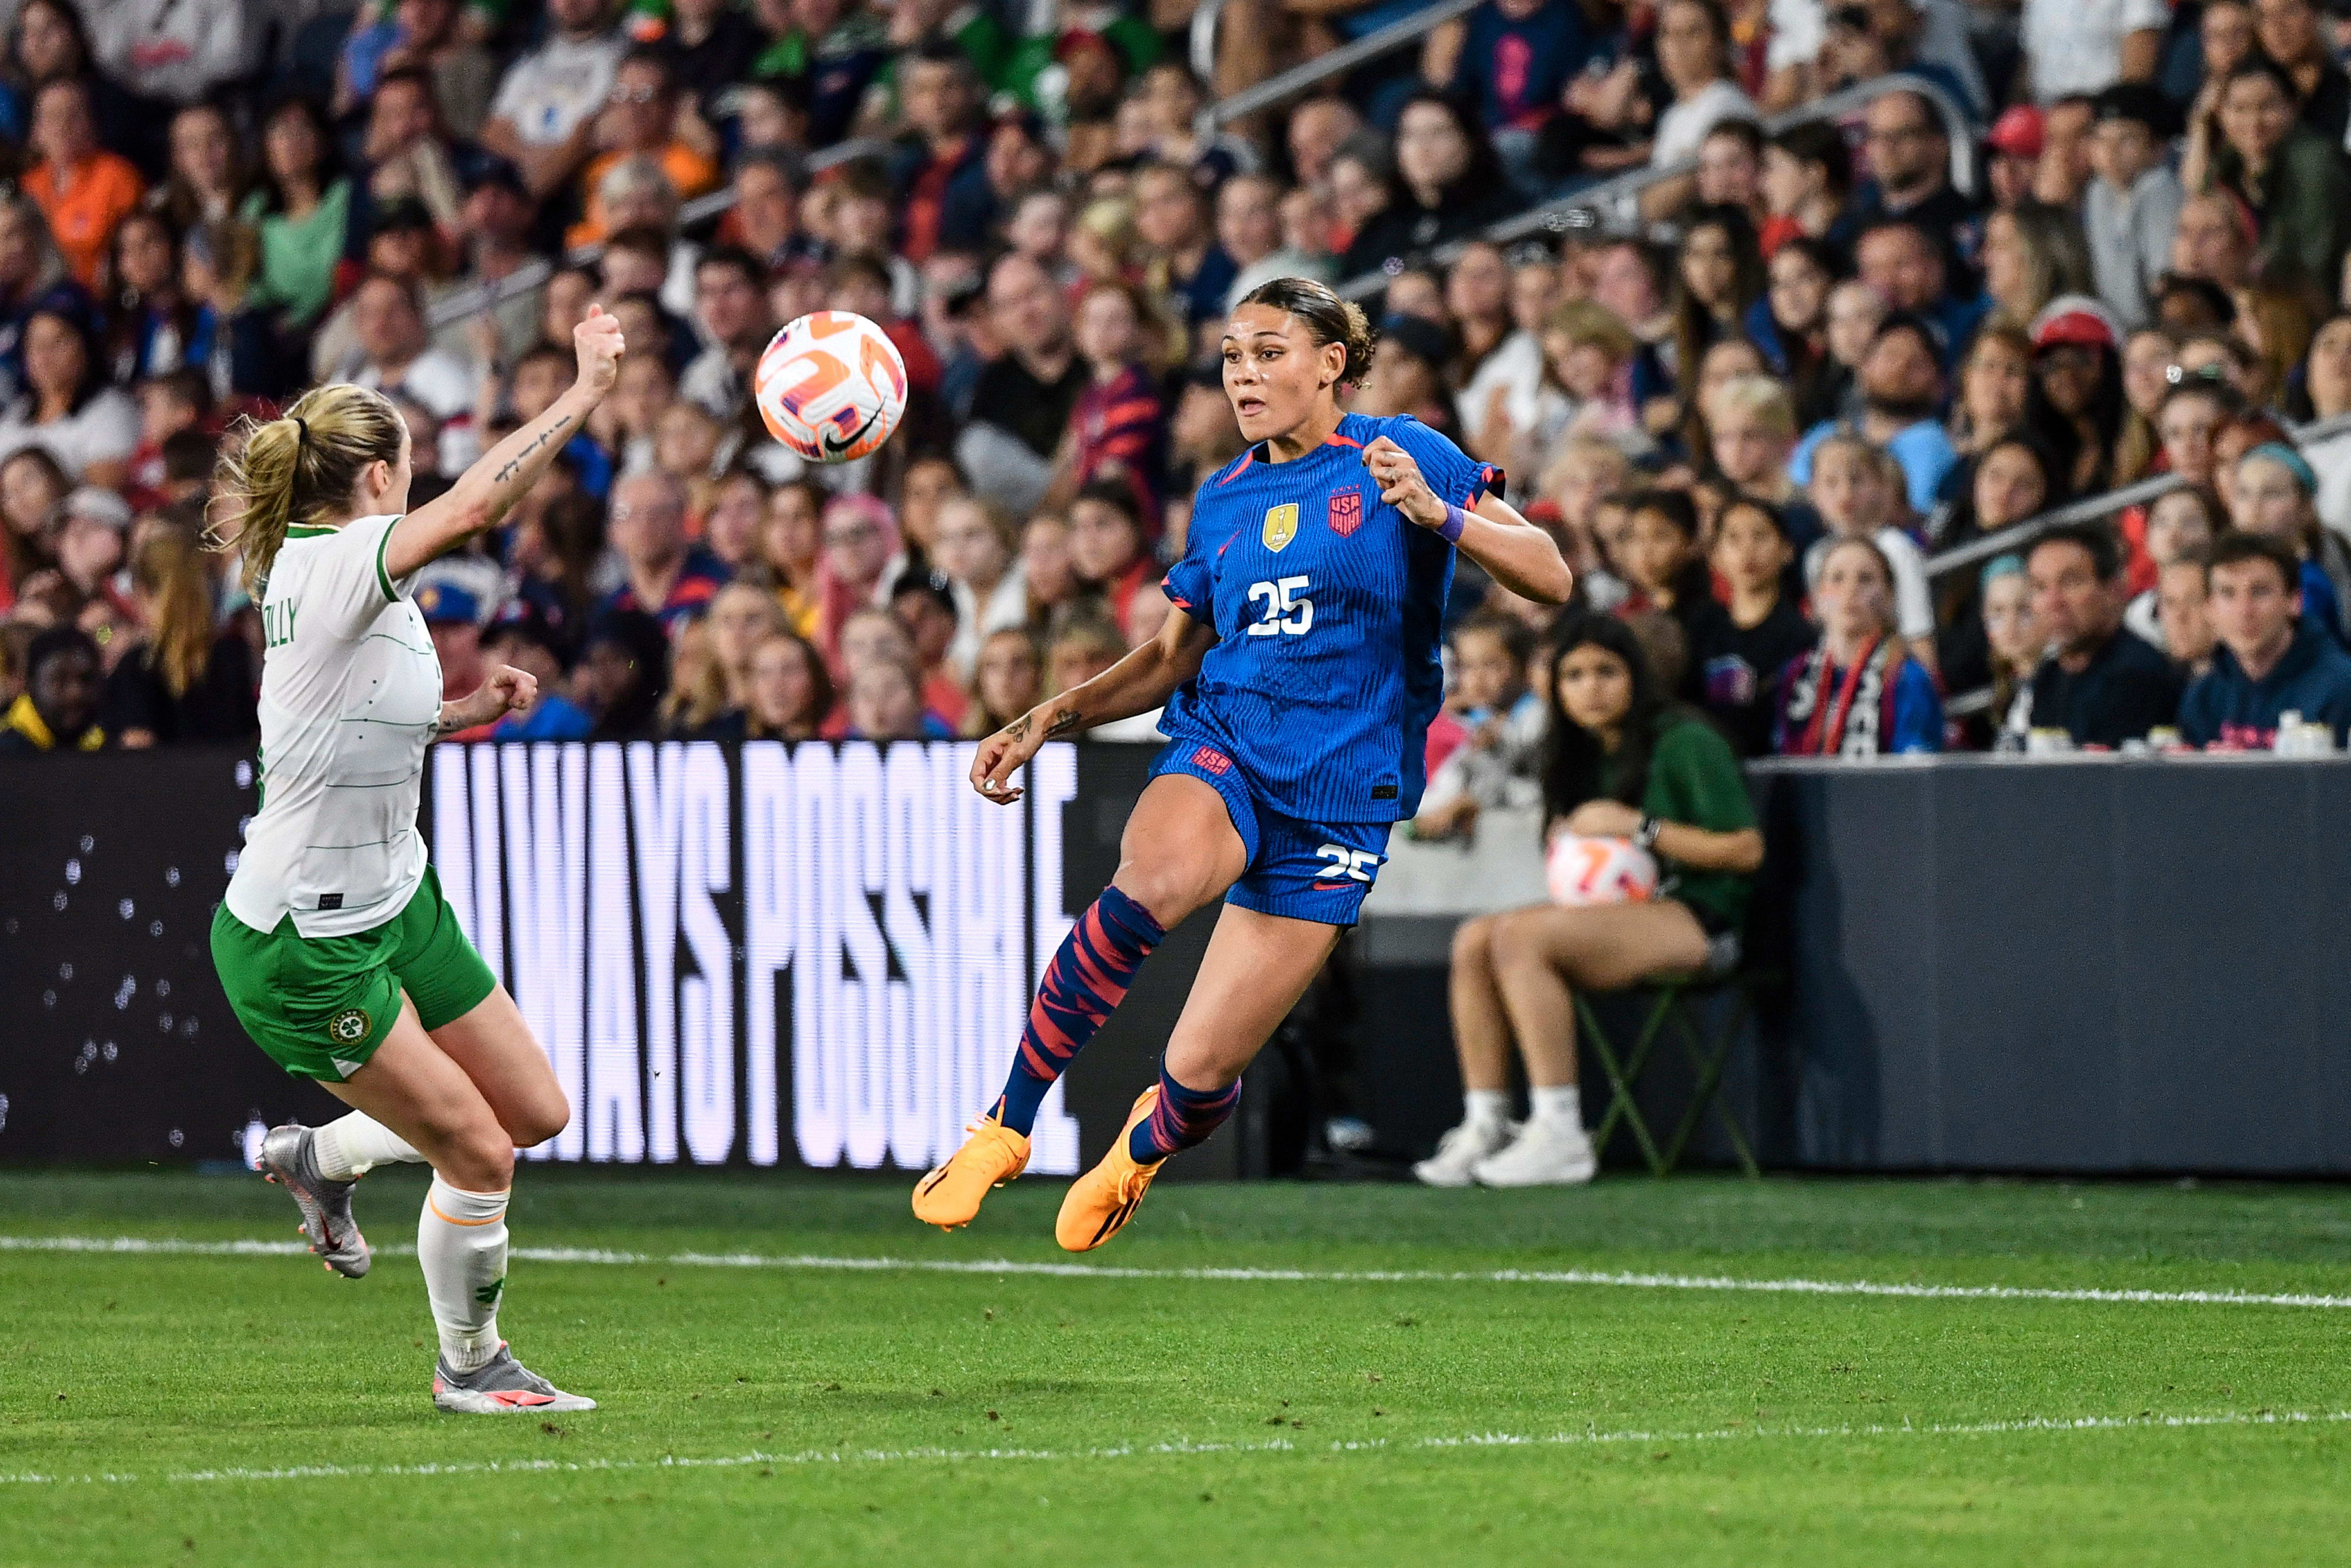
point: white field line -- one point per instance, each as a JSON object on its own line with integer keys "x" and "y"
{"x": 141, "y": 1245}
{"x": 2031, "y": 1425}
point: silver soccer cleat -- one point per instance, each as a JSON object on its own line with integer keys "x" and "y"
{"x": 500, "y": 1386}
{"x": 289, "y": 1158}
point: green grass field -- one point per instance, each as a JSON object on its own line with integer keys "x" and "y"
{"x": 209, "y": 1407}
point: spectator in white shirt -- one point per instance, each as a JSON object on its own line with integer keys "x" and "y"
{"x": 176, "y": 50}
{"x": 990, "y": 586}
{"x": 397, "y": 356}
{"x": 1694, "y": 53}
{"x": 2131, "y": 211}
{"x": 68, "y": 409}
{"x": 2078, "y": 46}
{"x": 543, "y": 120}
{"x": 733, "y": 314}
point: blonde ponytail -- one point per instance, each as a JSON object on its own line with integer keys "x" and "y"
{"x": 301, "y": 468}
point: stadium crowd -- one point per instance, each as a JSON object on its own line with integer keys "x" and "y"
{"x": 1753, "y": 410}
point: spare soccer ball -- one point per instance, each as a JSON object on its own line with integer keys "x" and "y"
{"x": 1599, "y": 871}
{"x": 830, "y": 386}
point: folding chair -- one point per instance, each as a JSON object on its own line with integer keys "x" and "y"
{"x": 1672, "y": 1007}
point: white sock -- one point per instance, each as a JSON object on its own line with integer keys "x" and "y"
{"x": 461, "y": 1239}
{"x": 1485, "y": 1107}
{"x": 1563, "y": 1103}
{"x": 349, "y": 1147}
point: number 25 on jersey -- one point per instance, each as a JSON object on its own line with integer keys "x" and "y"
{"x": 1286, "y": 608}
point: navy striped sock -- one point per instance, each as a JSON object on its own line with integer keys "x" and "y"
{"x": 1182, "y": 1118}
{"x": 1087, "y": 979}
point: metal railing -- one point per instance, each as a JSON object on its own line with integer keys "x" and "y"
{"x": 1614, "y": 202}
{"x": 452, "y": 309}
{"x": 2090, "y": 508}
{"x": 1209, "y": 14}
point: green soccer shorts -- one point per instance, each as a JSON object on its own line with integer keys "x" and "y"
{"x": 320, "y": 1005}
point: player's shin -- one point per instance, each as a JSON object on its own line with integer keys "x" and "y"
{"x": 349, "y": 1147}
{"x": 1086, "y": 980}
{"x": 1183, "y": 1119}
{"x": 461, "y": 1239}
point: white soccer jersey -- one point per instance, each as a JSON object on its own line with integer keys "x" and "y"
{"x": 350, "y": 689}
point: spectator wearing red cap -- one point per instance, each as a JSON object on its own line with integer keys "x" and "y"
{"x": 2131, "y": 210}
{"x": 2077, "y": 388}
{"x": 2014, "y": 144}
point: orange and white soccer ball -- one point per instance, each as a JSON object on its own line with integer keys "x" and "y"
{"x": 1599, "y": 871}
{"x": 830, "y": 386}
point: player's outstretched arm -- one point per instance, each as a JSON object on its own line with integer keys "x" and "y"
{"x": 1514, "y": 552}
{"x": 503, "y": 691}
{"x": 1139, "y": 682}
{"x": 490, "y": 488}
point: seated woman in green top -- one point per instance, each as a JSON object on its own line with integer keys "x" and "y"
{"x": 2292, "y": 178}
{"x": 303, "y": 209}
{"x": 1622, "y": 762}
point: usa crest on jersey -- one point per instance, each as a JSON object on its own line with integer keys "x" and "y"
{"x": 1347, "y": 512}
{"x": 1281, "y": 525}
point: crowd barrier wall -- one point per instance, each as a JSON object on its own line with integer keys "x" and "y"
{"x": 815, "y": 955}
{"x": 820, "y": 956}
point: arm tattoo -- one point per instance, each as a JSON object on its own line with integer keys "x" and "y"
{"x": 1018, "y": 729}
{"x": 1064, "y": 721}
{"x": 514, "y": 463}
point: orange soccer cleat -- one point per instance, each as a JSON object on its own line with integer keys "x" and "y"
{"x": 950, "y": 1195}
{"x": 1102, "y": 1200}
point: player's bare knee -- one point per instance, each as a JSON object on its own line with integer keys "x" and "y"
{"x": 478, "y": 1156}
{"x": 1168, "y": 891}
{"x": 492, "y": 1163}
{"x": 538, "y": 1119}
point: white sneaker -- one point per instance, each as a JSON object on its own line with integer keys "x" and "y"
{"x": 1462, "y": 1149}
{"x": 1551, "y": 1151}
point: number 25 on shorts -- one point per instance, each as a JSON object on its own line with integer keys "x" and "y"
{"x": 1286, "y": 608}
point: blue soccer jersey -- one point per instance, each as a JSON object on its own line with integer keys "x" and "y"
{"x": 1328, "y": 606}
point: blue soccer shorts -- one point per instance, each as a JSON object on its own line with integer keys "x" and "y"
{"x": 1301, "y": 870}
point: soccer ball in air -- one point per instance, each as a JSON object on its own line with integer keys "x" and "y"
{"x": 1599, "y": 871}
{"x": 830, "y": 386}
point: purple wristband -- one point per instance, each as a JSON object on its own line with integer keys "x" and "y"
{"x": 1456, "y": 519}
